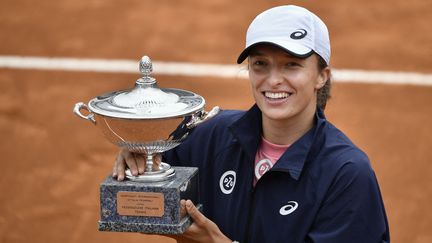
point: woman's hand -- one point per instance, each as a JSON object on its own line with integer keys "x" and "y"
{"x": 202, "y": 229}
{"x": 136, "y": 162}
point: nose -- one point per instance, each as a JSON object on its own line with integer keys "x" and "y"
{"x": 275, "y": 77}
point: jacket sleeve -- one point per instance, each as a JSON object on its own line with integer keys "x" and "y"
{"x": 353, "y": 210}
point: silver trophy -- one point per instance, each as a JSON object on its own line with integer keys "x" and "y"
{"x": 149, "y": 120}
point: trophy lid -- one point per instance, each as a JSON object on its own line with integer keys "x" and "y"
{"x": 146, "y": 100}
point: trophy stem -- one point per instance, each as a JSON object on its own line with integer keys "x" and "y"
{"x": 155, "y": 171}
{"x": 149, "y": 164}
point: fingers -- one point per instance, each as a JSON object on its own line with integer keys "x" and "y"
{"x": 119, "y": 168}
{"x": 135, "y": 162}
{"x": 114, "y": 170}
{"x": 202, "y": 228}
{"x": 157, "y": 160}
{"x": 183, "y": 211}
{"x": 129, "y": 158}
{"x": 195, "y": 214}
{"x": 141, "y": 162}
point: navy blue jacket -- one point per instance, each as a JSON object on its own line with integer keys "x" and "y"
{"x": 322, "y": 189}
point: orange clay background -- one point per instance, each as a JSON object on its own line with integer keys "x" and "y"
{"x": 52, "y": 162}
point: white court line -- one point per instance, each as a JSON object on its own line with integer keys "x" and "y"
{"x": 197, "y": 69}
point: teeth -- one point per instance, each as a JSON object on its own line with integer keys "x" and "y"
{"x": 274, "y": 95}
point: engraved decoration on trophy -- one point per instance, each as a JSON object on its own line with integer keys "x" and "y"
{"x": 150, "y": 120}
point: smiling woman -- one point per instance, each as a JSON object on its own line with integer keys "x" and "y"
{"x": 285, "y": 89}
{"x": 279, "y": 172}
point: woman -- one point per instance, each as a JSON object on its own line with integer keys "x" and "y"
{"x": 279, "y": 172}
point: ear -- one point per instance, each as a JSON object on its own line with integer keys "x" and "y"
{"x": 323, "y": 76}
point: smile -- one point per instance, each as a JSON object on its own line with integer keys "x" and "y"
{"x": 276, "y": 95}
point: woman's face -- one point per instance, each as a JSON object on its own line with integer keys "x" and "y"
{"x": 284, "y": 87}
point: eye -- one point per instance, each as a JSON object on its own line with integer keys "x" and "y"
{"x": 259, "y": 63}
{"x": 293, "y": 64}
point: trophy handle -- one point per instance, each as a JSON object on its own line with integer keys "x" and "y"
{"x": 77, "y": 110}
{"x": 202, "y": 117}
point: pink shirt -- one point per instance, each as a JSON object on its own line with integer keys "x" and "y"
{"x": 267, "y": 155}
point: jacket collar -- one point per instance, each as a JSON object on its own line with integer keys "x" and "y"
{"x": 248, "y": 129}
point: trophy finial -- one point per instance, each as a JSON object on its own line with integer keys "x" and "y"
{"x": 146, "y": 67}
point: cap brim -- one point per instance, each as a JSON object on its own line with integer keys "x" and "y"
{"x": 292, "y": 49}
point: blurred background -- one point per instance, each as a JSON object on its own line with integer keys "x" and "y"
{"x": 52, "y": 162}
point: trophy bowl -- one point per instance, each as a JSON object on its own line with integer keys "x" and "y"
{"x": 146, "y": 119}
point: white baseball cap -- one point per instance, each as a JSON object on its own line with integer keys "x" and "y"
{"x": 294, "y": 29}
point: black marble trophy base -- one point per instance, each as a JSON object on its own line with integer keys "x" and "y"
{"x": 148, "y": 207}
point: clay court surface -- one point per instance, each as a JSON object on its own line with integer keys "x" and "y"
{"x": 52, "y": 162}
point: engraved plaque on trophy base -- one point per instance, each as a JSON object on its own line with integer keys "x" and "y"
{"x": 148, "y": 207}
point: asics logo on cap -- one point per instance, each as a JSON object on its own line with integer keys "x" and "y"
{"x": 298, "y": 34}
